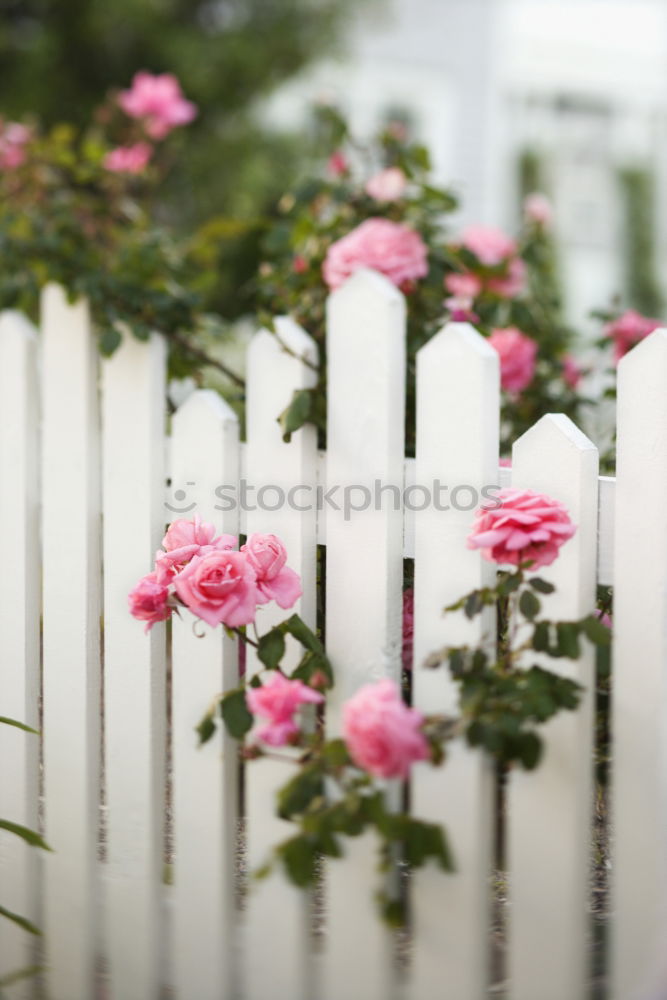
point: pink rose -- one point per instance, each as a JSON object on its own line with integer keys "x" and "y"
{"x": 628, "y": 329}
{"x": 299, "y": 264}
{"x": 337, "y": 164}
{"x": 605, "y": 619}
{"x": 572, "y": 372}
{"x": 408, "y": 628}
{"x": 128, "y": 159}
{"x": 525, "y": 526}
{"x": 388, "y": 185}
{"x": 148, "y": 601}
{"x": 277, "y": 700}
{"x": 14, "y": 137}
{"x": 184, "y": 531}
{"x": 275, "y": 581}
{"x": 158, "y": 100}
{"x": 382, "y": 733}
{"x": 219, "y": 587}
{"x": 505, "y": 463}
{"x": 512, "y": 284}
{"x": 389, "y": 247}
{"x": 517, "y": 358}
{"x": 490, "y": 246}
{"x": 463, "y": 286}
{"x": 537, "y": 208}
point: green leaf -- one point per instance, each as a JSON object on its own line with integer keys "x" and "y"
{"x": 594, "y": 630}
{"x": 509, "y": 583}
{"x": 19, "y": 725}
{"x": 206, "y": 728}
{"x": 16, "y": 977}
{"x": 298, "y": 628}
{"x": 335, "y": 753}
{"x": 296, "y": 414}
{"x": 568, "y": 639}
{"x": 271, "y": 648}
{"x": 541, "y": 637}
{"x": 299, "y": 857}
{"x": 529, "y": 605}
{"x": 21, "y": 921}
{"x": 473, "y": 604}
{"x": 235, "y": 714}
{"x": 110, "y": 340}
{"x": 30, "y": 837}
{"x": 300, "y": 792}
{"x": 530, "y": 750}
{"x": 542, "y": 586}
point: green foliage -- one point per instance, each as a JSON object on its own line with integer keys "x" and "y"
{"x": 235, "y": 714}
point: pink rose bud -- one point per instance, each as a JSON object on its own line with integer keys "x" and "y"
{"x": 537, "y": 208}
{"x": 158, "y": 101}
{"x": 526, "y": 526}
{"x": 463, "y": 286}
{"x": 389, "y": 247}
{"x": 278, "y": 700}
{"x": 337, "y": 164}
{"x": 388, "y": 185}
{"x": 572, "y": 372}
{"x": 517, "y": 354}
{"x": 14, "y": 138}
{"x": 148, "y": 601}
{"x": 128, "y": 159}
{"x": 219, "y": 587}
{"x": 275, "y": 581}
{"x": 382, "y": 734}
{"x": 299, "y": 264}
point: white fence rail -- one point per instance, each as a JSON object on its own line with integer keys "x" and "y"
{"x": 132, "y": 913}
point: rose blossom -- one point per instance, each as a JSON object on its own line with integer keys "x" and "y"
{"x": 512, "y": 283}
{"x": 337, "y": 164}
{"x": 275, "y": 581}
{"x": 537, "y": 208}
{"x": 277, "y": 700}
{"x": 389, "y": 247}
{"x": 219, "y": 587}
{"x": 159, "y": 101}
{"x": 491, "y": 246}
{"x": 572, "y": 372}
{"x": 517, "y": 357}
{"x": 382, "y": 733}
{"x": 148, "y": 601}
{"x": 525, "y": 526}
{"x": 13, "y": 139}
{"x": 128, "y": 159}
{"x": 388, "y": 185}
{"x": 463, "y": 285}
{"x": 628, "y": 329}
{"x": 408, "y": 628}
{"x": 183, "y": 531}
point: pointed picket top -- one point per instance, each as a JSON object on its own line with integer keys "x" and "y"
{"x": 649, "y": 351}
{"x": 367, "y": 301}
{"x": 462, "y": 341}
{"x": 206, "y": 407}
{"x": 287, "y": 339}
{"x": 15, "y": 324}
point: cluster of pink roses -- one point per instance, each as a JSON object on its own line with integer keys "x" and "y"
{"x": 209, "y": 576}
{"x": 157, "y": 101}
{"x": 492, "y": 266}
{"x": 14, "y": 138}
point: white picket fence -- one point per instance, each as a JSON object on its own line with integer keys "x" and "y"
{"x": 84, "y": 459}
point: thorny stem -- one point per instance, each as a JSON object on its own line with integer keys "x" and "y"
{"x": 206, "y": 359}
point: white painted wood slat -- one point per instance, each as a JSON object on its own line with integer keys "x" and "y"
{"x": 550, "y": 810}
{"x": 133, "y": 394}
{"x": 366, "y": 406}
{"x": 20, "y": 606}
{"x": 639, "y": 682}
{"x": 204, "y": 456}
{"x": 71, "y": 664}
{"x": 276, "y": 910}
{"x": 457, "y": 445}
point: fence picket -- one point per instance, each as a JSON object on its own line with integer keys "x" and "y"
{"x": 550, "y": 810}
{"x": 274, "y": 371}
{"x": 639, "y": 698}
{"x": 71, "y": 658}
{"x": 133, "y": 393}
{"x": 366, "y": 400}
{"x": 204, "y": 454}
{"x": 19, "y": 628}
{"x": 457, "y": 444}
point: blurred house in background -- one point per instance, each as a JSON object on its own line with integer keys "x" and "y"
{"x": 566, "y": 96}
